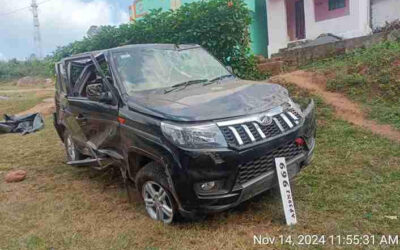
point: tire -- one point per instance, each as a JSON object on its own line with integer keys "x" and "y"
{"x": 152, "y": 184}
{"x": 70, "y": 148}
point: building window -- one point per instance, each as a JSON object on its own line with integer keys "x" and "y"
{"x": 337, "y": 4}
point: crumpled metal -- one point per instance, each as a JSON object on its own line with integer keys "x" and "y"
{"x": 24, "y": 124}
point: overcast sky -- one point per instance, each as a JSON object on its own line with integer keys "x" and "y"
{"x": 61, "y": 22}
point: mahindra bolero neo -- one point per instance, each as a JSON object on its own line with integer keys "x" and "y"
{"x": 183, "y": 129}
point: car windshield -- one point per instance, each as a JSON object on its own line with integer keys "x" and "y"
{"x": 151, "y": 68}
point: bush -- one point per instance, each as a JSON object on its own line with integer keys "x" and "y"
{"x": 14, "y": 69}
{"x": 220, "y": 26}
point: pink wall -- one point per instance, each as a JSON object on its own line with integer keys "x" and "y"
{"x": 322, "y": 12}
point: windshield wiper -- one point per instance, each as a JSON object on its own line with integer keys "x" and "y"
{"x": 184, "y": 85}
{"x": 217, "y": 79}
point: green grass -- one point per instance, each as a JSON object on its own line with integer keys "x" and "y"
{"x": 25, "y": 100}
{"x": 369, "y": 76}
{"x": 350, "y": 187}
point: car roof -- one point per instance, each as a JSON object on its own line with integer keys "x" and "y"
{"x": 98, "y": 53}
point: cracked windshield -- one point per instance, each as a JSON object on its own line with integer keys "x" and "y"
{"x": 145, "y": 69}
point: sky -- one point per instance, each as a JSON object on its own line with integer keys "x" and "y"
{"x": 61, "y": 22}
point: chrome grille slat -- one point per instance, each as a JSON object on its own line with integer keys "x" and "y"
{"x": 236, "y": 134}
{"x": 248, "y": 133}
{"x": 259, "y": 130}
{"x": 295, "y": 118}
{"x": 289, "y": 123}
{"x": 249, "y": 130}
{"x": 279, "y": 125}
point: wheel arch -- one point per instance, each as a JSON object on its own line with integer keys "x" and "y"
{"x": 138, "y": 155}
{"x": 138, "y": 158}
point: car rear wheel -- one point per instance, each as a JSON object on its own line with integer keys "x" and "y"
{"x": 153, "y": 186}
{"x": 72, "y": 152}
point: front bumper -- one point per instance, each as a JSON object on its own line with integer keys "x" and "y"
{"x": 224, "y": 166}
{"x": 257, "y": 185}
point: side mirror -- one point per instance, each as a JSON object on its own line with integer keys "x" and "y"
{"x": 96, "y": 93}
{"x": 229, "y": 68}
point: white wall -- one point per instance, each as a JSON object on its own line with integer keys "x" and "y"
{"x": 384, "y": 10}
{"x": 277, "y": 26}
{"x": 353, "y": 25}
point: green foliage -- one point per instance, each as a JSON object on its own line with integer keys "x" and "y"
{"x": 13, "y": 69}
{"x": 343, "y": 82}
{"x": 372, "y": 72}
{"x": 220, "y": 26}
{"x": 370, "y": 76}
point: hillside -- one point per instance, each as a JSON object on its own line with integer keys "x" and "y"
{"x": 368, "y": 76}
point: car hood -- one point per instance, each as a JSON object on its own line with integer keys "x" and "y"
{"x": 228, "y": 98}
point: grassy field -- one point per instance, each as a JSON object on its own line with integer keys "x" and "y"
{"x": 351, "y": 186}
{"x": 14, "y": 99}
{"x": 25, "y": 101}
{"x": 369, "y": 76}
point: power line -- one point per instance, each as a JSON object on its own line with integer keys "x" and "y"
{"x": 23, "y": 8}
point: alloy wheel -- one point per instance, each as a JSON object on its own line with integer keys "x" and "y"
{"x": 157, "y": 201}
{"x": 71, "y": 148}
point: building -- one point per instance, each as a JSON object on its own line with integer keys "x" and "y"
{"x": 277, "y": 23}
{"x": 295, "y": 20}
{"x": 383, "y": 11}
{"x": 258, "y": 28}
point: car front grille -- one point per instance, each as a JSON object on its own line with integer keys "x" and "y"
{"x": 243, "y": 134}
{"x": 266, "y": 163}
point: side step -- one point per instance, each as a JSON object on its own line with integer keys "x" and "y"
{"x": 86, "y": 162}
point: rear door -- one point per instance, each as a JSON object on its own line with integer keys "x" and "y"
{"x": 59, "y": 98}
{"x": 92, "y": 123}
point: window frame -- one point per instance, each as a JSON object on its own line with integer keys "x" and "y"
{"x": 75, "y": 62}
{"x": 336, "y": 4}
{"x": 61, "y": 78}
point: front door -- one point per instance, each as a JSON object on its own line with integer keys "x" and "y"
{"x": 300, "y": 20}
{"x": 92, "y": 123}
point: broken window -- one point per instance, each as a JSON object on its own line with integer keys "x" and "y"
{"x": 92, "y": 76}
{"x": 61, "y": 78}
{"x": 74, "y": 73}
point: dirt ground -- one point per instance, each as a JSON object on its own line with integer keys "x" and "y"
{"x": 46, "y": 107}
{"x": 344, "y": 107}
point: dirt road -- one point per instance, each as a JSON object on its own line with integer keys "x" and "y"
{"x": 344, "y": 107}
{"x": 46, "y": 107}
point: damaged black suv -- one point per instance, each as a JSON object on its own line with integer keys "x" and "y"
{"x": 182, "y": 129}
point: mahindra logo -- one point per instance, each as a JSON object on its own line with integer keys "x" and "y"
{"x": 265, "y": 120}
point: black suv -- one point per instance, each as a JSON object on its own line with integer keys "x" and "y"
{"x": 191, "y": 136}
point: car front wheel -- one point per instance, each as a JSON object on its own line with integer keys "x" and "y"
{"x": 157, "y": 201}
{"x": 152, "y": 183}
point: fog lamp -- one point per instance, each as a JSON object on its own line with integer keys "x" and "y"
{"x": 207, "y": 186}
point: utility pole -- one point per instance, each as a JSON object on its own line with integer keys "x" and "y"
{"x": 36, "y": 29}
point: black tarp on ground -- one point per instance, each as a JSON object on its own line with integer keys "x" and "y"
{"x": 24, "y": 124}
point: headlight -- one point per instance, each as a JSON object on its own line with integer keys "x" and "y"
{"x": 194, "y": 137}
